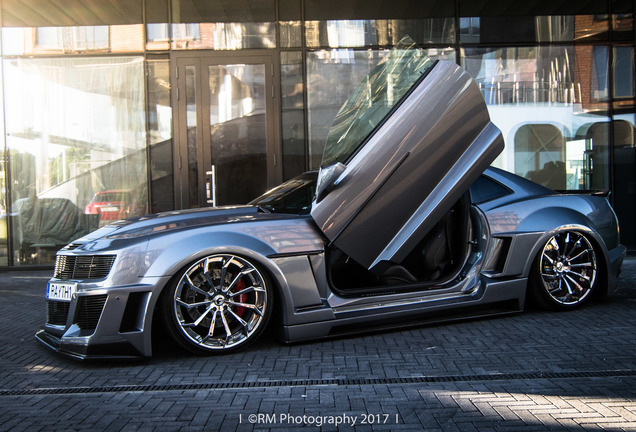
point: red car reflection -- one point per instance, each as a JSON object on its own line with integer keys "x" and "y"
{"x": 111, "y": 205}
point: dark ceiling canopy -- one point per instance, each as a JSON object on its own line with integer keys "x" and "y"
{"x": 196, "y": 11}
{"x": 43, "y": 13}
{"x": 377, "y": 9}
{"x": 404, "y": 9}
{"x": 479, "y": 8}
{"x": 54, "y": 13}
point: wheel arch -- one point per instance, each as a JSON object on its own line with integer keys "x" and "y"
{"x": 171, "y": 254}
{"x": 237, "y": 244}
{"x": 597, "y": 243}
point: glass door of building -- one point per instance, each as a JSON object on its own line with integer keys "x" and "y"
{"x": 226, "y": 130}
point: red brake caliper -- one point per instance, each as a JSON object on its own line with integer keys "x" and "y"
{"x": 240, "y": 286}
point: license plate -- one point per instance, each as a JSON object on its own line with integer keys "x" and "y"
{"x": 109, "y": 209}
{"x": 60, "y": 291}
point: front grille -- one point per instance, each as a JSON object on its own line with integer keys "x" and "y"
{"x": 83, "y": 266}
{"x": 57, "y": 313}
{"x": 89, "y": 309}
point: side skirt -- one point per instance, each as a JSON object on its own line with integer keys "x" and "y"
{"x": 498, "y": 298}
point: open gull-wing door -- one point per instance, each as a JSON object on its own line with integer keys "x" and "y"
{"x": 402, "y": 150}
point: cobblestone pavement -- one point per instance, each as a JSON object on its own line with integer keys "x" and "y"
{"x": 533, "y": 371}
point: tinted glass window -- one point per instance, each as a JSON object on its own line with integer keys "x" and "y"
{"x": 77, "y": 131}
{"x": 373, "y": 99}
{"x": 293, "y": 196}
{"x": 485, "y": 189}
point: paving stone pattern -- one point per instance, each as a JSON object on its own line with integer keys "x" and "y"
{"x": 533, "y": 371}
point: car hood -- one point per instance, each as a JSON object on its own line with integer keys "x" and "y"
{"x": 160, "y": 223}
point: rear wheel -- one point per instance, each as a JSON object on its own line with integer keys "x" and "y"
{"x": 218, "y": 304}
{"x": 565, "y": 273}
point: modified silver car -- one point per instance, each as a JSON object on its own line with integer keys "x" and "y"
{"x": 404, "y": 223}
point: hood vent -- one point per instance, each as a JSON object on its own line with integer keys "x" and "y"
{"x": 72, "y": 246}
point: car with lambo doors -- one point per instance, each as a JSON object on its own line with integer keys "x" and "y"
{"x": 407, "y": 224}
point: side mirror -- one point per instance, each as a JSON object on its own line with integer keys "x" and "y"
{"x": 327, "y": 179}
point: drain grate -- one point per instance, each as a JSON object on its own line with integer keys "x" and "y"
{"x": 318, "y": 382}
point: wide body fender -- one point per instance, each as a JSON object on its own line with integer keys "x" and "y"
{"x": 281, "y": 249}
{"x": 169, "y": 253}
{"x": 530, "y": 224}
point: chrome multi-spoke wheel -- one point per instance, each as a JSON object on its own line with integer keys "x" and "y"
{"x": 219, "y": 303}
{"x": 567, "y": 270}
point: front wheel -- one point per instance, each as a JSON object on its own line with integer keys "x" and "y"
{"x": 218, "y": 304}
{"x": 565, "y": 273}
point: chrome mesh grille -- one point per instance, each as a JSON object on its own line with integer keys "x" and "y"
{"x": 89, "y": 309}
{"x": 83, "y": 266}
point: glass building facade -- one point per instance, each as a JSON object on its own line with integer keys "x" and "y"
{"x": 117, "y": 108}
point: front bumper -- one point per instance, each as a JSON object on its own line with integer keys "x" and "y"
{"x": 119, "y": 350}
{"x": 102, "y": 323}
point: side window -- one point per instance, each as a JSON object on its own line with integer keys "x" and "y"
{"x": 299, "y": 201}
{"x": 486, "y": 189}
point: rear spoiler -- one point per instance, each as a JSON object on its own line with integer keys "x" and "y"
{"x": 595, "y": 192}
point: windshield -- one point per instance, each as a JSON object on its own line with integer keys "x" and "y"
{"x": 294, "y": 196}
{"x": 374, "y": 98}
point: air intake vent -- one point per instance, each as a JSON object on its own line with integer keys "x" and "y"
{"x": 89, "y": 309}
{"x": 57, "y": 313}
{"x": 83, "y": 266}
{"x": 132, "y": 319}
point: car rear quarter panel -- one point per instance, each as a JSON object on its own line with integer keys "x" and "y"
{"x": 530, "y": 223}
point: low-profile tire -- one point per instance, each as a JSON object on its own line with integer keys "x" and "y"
{"x": 218, "y": 304}
{"x": 565, "y": 273}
